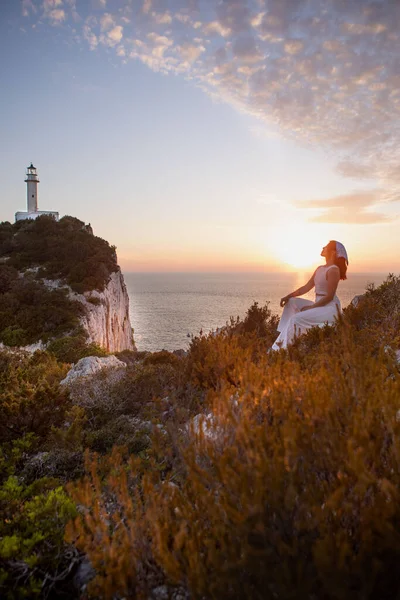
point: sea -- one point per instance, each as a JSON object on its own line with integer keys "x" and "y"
{"x": 167, "y": 309}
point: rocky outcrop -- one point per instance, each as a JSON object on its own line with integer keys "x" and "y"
{"x": 357, "y": 300}
{"x": 90, "y": 365}
{"x": 107, "y": 315}
{"x": 31, "y": 348}
{"x": 106, "y": 318}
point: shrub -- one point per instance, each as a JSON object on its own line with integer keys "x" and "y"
{"x": 212, "y": 360}
{"x": 292, "y": 493}
{"x": 70, "y": 349}
{"x": 129, "y": 357}
{"x": 141, "y": 385}
{"x": 8, "y": 275}
{"x": 66, "y": 249}
{"x": 123, "y": 431}
{"x": 161, "y": 358}
{"x": 33, "y": 555}
{"x": 6, "y": 235}
{"x": 29, "y": 311}
{"x": 260, "y": 321}
{"x": 30, "y": 398}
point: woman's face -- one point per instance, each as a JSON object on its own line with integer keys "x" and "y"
{"x": 327, "y": 252}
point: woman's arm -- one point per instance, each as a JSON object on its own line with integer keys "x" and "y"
{"x": 333, "y": 278}
{"x": 300, "y": 291}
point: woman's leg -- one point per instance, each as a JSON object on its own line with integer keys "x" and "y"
{"x": 300, "y": 322}
{"x": 291, "y": 309}
{"x": 316, "y": 317}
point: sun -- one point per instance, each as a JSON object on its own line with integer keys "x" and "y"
{"x": 298, "y": 246}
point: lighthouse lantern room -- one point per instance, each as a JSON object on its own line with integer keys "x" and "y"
{"x": 32, "y": 181}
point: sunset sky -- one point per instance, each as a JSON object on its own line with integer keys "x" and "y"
{"x": 204, "y": 135}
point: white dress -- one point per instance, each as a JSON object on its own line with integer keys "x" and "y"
{"x": 293, "y": 322}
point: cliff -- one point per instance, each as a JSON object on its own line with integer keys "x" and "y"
{"x": 106, "y": 318}
{"x": 60, "y": 283}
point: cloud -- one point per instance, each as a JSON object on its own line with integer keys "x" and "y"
{"x": 74, "y": 13}
{"x": 115, "y": 35}
{"x": 90, "y": 37}
{"x": 325, "y": 73}
{"x": 162, "y": 18}
{"x": 51, "y": 4}
{"x": 146, "y": 6}
{"x": 345, "y": 217}
{"x": 353, "y": 208}
{"x": 53, "y": 12}
{"x": 107, "y": 22}
{"x": 349, "y": 168}
{"x": 245, "y": 50}
{"x": 56, "y": 16}
{"x": 190, "y": 52}
{"x": 215, "y": 27}
{"x": 28, "y": 7}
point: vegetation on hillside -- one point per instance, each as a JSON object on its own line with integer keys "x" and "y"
{"x": 65, "y": 249}
{"x": 31, "y": 251}
{"x": 286, "y": 485}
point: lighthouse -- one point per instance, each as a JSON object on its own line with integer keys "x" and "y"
{"x": 32, "y": 181}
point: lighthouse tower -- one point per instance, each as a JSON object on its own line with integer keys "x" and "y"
{"x": 32, "y": 181}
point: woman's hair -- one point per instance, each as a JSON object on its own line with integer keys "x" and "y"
{"x": 339, "y": 262}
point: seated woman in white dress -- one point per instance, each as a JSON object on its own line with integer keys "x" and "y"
{"x": 300, "y": 314}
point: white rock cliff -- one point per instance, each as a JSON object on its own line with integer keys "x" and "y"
{"x": 107, "y": 315}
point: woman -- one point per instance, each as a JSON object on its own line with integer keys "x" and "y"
{"x": 300, "y": 314}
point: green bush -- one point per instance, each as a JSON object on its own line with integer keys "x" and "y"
{"x": 29, "y": 311}
{"x": 32, "y": 549}
{"x": 70, "y": 349}
{"x": 8, "y": 275}
{"x": 31, "y": 400}
{"x": 33, "y": 555}
{"x": 66, "y": 249}
{"x": 129, "y": 357}
{"x": 161, "y": 358}
{"x": 260, "y": 321}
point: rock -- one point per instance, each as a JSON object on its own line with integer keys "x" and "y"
{"x": 160, "y": 593}
{"x": 90, "y": 365}
{"x": 107, "y": 315}
{"x": 84, "y": 574}
{"x": 106, "y": 318}
{"x": 163, "y": 592}
{"x": 31, "y": 348}
{"x": 357, "y": 300}
{"x": 212, "y": 427}
{"x": 180, "y": 353}
{"x": 205, "y": 424}
{"x": 180, "y": 594}
{"x": 398, "y": 356}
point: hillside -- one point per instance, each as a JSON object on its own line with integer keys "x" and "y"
{"x": 228, "y": 473}
{"x": 53, "y": 275}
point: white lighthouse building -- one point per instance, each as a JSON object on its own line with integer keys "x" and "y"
{"x": 32, "y": 181}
